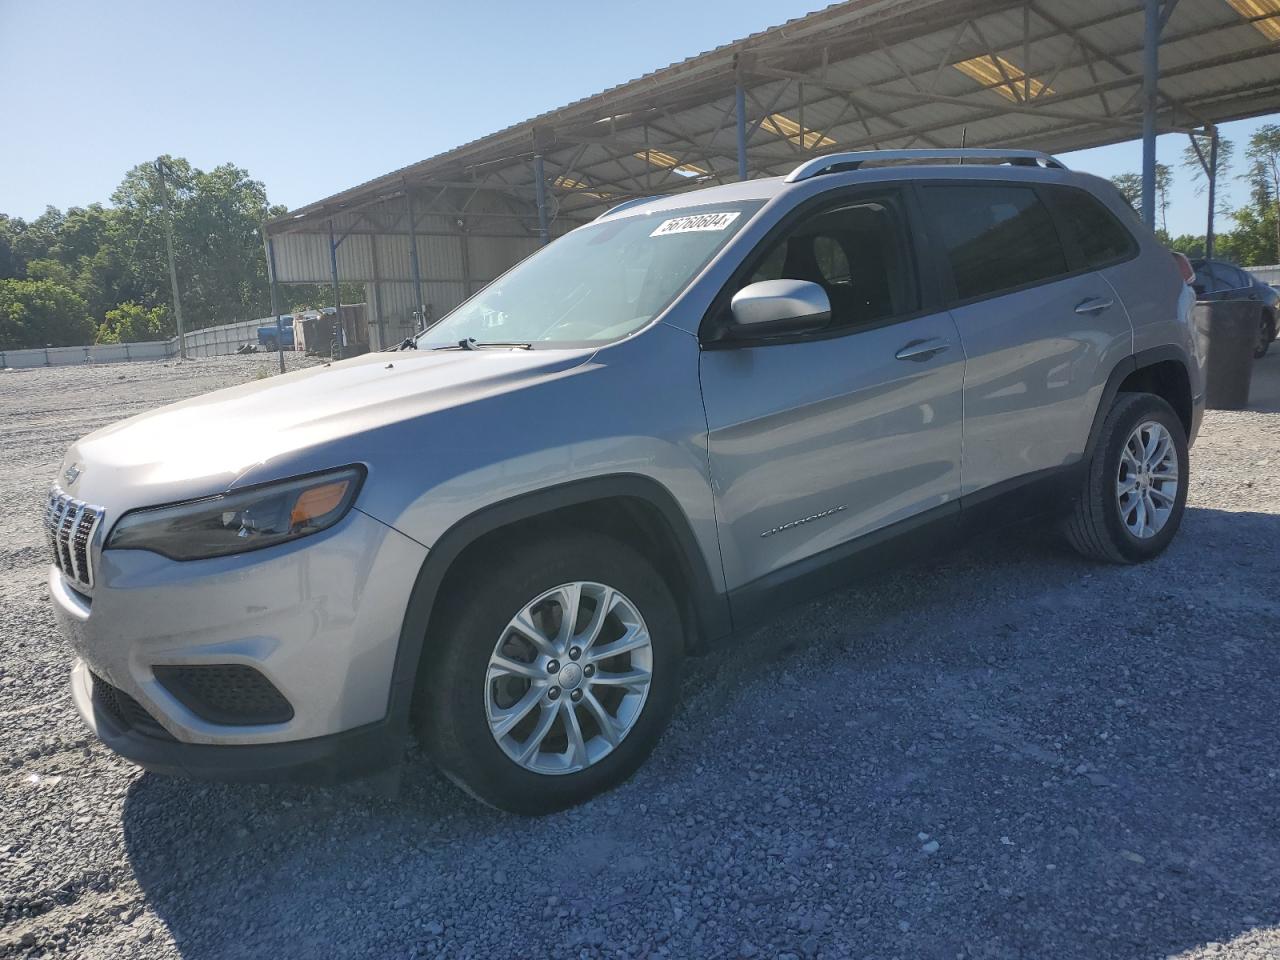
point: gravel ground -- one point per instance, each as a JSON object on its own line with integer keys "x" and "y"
{"x": 1005, "y": 753}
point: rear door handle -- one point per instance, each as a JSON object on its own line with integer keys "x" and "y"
{"x": 921, "y": 350}
{"x": 1094, "y": 305}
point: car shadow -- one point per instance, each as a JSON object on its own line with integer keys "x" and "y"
{"x": 1093, "y": 749}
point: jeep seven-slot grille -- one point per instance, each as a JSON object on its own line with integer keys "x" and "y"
{"x": 70, "y": 525}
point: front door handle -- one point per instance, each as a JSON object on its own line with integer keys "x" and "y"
{"x": 1094, "y": 305}
{"x": 921, "y": 350}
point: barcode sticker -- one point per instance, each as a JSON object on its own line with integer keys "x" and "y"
{"x": 702, "y": 221}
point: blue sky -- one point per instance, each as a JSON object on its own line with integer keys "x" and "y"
{"x": 315, "y": 97}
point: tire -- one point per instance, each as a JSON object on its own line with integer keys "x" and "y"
{"x": 463, "y": 694}
{"x": 1266, "y": 334}
{"x": 270, "y": 346}
{"x": 1097, "y": 527}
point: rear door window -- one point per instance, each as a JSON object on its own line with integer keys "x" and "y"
{"x": 1099, "y": 237}
{"x": 1238, "y": 279}
{"x": 1225, "y": 277}
{"x": 995, "y": 237}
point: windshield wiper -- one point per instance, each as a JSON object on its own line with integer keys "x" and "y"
{"x": 471, "y": 343}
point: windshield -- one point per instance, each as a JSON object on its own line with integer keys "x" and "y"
{"x": 600, "y": 282}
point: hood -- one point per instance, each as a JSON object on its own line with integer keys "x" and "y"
{"x": 206, "y": 444}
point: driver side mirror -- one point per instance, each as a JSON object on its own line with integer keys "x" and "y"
{"x": 773, "y": 308}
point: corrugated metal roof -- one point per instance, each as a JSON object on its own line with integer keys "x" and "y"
{"x": 859, "y": 74}
{"x": 873, "y": 73}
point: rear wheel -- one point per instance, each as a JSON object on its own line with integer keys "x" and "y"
{"x": 553, "y": 673}
{"x": 1135, "y": 487}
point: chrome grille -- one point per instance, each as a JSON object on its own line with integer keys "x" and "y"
{"x": 70, "y": 525}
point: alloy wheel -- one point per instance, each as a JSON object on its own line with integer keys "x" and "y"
{"x": 568, "y": 678}
{"x": 1147, "y": 479}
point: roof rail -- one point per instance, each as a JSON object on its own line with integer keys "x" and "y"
{"x": 835, "y": 162}
{"x": 628, "y": 203}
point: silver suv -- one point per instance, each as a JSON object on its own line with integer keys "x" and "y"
{"x": 644, "y": 438}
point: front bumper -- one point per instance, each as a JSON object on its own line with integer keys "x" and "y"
{"x": 318, "y": 760}
{"x": 320, "y": 619}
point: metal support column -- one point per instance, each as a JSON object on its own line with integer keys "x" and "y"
{"x": 1150, "y": 76}
{"x": 1213, "y": 184}
{"x": 337, "y": 291}
{"x": 275, "y": 299}
{"x": 420, "y": 309}
{"x": 740, "y": 97}
{"x": 540, "y": 192}
{"x": 466, "y": 255}
{"x": 377, "y": 292}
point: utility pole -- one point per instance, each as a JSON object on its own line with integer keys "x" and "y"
{"x": 173, "y": 269}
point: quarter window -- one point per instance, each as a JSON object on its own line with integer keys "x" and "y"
{"x": 995, "y": 237}
{"x": 1097, "y": 234}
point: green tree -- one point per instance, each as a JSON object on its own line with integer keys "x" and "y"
{"x": 221, "y": 268}
{"x": 8, "y": 256}
{"x": 37, "y": 313}
{"x": 1191, "y": 162}
{"x": 1187, "y": 244}
{"x": 1130, "y": 186}
{"x": 47, "y": 268}
{"x": 113, "y": 255}
{"x": 132, "y": 323}
{"x": 1264, "y": 157}
{"x": 1253, "y": 241}
{"x": 1164, "y": 181}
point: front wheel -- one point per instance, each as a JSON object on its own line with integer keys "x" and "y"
{"x": 552, "y": 673}
{"x": 1134, "y": 490}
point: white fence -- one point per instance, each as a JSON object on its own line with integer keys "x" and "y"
{"x": 1266, "y": 274}
{"x": 207, "y": 342}
{"x": 224, "y": 339}
{"x": 98, "y": 353}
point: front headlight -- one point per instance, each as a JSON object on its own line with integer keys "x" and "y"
{"x": 242, "y": 520}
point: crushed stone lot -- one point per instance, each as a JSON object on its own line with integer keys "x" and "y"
{"x": 1006, "y": 752}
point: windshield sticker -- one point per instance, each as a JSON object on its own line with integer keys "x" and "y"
{"x": 703, "y": 221}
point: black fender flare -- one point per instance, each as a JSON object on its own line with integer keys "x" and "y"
{"x": 1131, "y": 364}
{"x": 709, "y": 606}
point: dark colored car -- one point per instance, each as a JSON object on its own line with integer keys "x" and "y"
{"x": 1217, "y": 280}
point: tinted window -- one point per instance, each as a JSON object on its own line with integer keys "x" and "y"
{"x": 1097, "y": 234}
{"x": 995, "y": 237}
{"x": 1217, "y": 277}
{"x": 1234, "y": 277}
{"x": 857, "y": 252}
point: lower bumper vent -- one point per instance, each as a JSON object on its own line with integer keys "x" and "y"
{"x": 126, "y": 711}
{"x": 231, "y": 694}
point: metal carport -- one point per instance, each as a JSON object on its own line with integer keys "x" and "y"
{"x": 861, "y": 74}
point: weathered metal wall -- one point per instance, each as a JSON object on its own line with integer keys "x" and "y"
{"x": 458, "y": 251}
